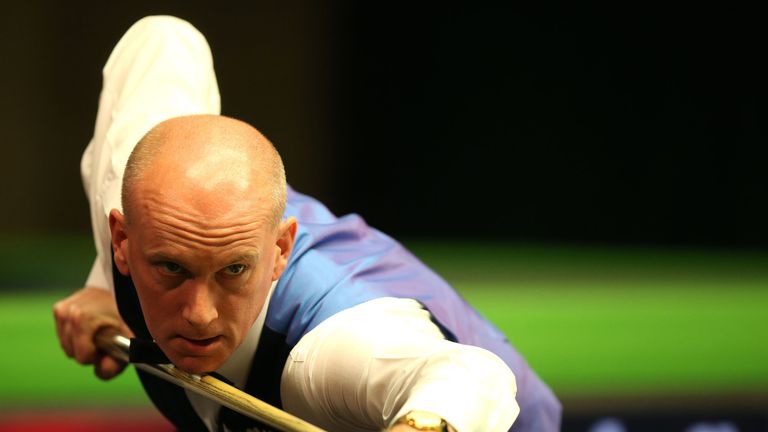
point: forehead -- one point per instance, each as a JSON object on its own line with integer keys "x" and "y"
{"x": 199, "y": 218}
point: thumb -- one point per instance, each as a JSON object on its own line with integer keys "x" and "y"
{"x": 107, "y": 367}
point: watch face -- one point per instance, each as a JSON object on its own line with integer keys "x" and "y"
{"x": 425, "y": 421}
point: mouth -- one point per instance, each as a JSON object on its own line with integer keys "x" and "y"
{"x": 202, "y": 342}
{"x": 197, "y": 347}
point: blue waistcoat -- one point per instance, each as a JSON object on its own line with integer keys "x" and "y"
{"x": 337, "y": 263}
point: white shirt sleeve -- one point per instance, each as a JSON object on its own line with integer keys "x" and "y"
{"x": 365, "y": 367}
{"x": 97, "y": 278}
{"x": 161, "y": 68}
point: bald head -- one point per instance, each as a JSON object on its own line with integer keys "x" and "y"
{"x": 206, "y": 156}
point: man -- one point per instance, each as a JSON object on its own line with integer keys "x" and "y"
{"x": 205, "y": 250}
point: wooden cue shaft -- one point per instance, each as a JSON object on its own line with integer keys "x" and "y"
{"x": 116, "y": 345}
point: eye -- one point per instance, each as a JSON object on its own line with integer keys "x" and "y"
{"x": 234, "y": 269}
{"x": 171, "y": 267}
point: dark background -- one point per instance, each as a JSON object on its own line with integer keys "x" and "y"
{"x": 630, "y": 126}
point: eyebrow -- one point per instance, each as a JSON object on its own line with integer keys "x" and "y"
{"x": 162, "y": 255}
{"x": 159, "y": 255}
{"x": 254, "y": 256}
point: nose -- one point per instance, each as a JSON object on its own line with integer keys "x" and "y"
{"x": 199, "y": 308}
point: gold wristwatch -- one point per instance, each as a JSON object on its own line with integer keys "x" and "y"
{"x": 425, "y": 421}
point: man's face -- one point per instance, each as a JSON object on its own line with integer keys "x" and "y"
{"x": 201, "y": 281}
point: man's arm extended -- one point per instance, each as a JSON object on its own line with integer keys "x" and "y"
{"x": 366, "y": 367}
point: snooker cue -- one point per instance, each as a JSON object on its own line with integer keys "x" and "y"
{"x": 117, "y": 346}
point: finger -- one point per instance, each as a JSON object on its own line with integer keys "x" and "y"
{"x": 67, "y": 334}
{"x": 61, "y": 320}
{"x": 83, "y": 345}
{"x": 107, "y": 367}
{"x": 84, "y": 349}
{"x": 82, "y": 328}
{"x": 58, "y": 316}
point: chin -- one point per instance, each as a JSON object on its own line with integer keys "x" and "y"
{"x": 197, "y": 365}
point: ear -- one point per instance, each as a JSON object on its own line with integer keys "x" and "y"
{"x": 286, "y": 236}
{"x": 119, "y": 240}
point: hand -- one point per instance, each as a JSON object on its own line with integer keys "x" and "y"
{"x": 78, "y": 318}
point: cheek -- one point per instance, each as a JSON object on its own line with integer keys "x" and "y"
{"x": 247, "y": 305}
{"x": 152, "y": 310}
{"x": 154, "y": 306}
